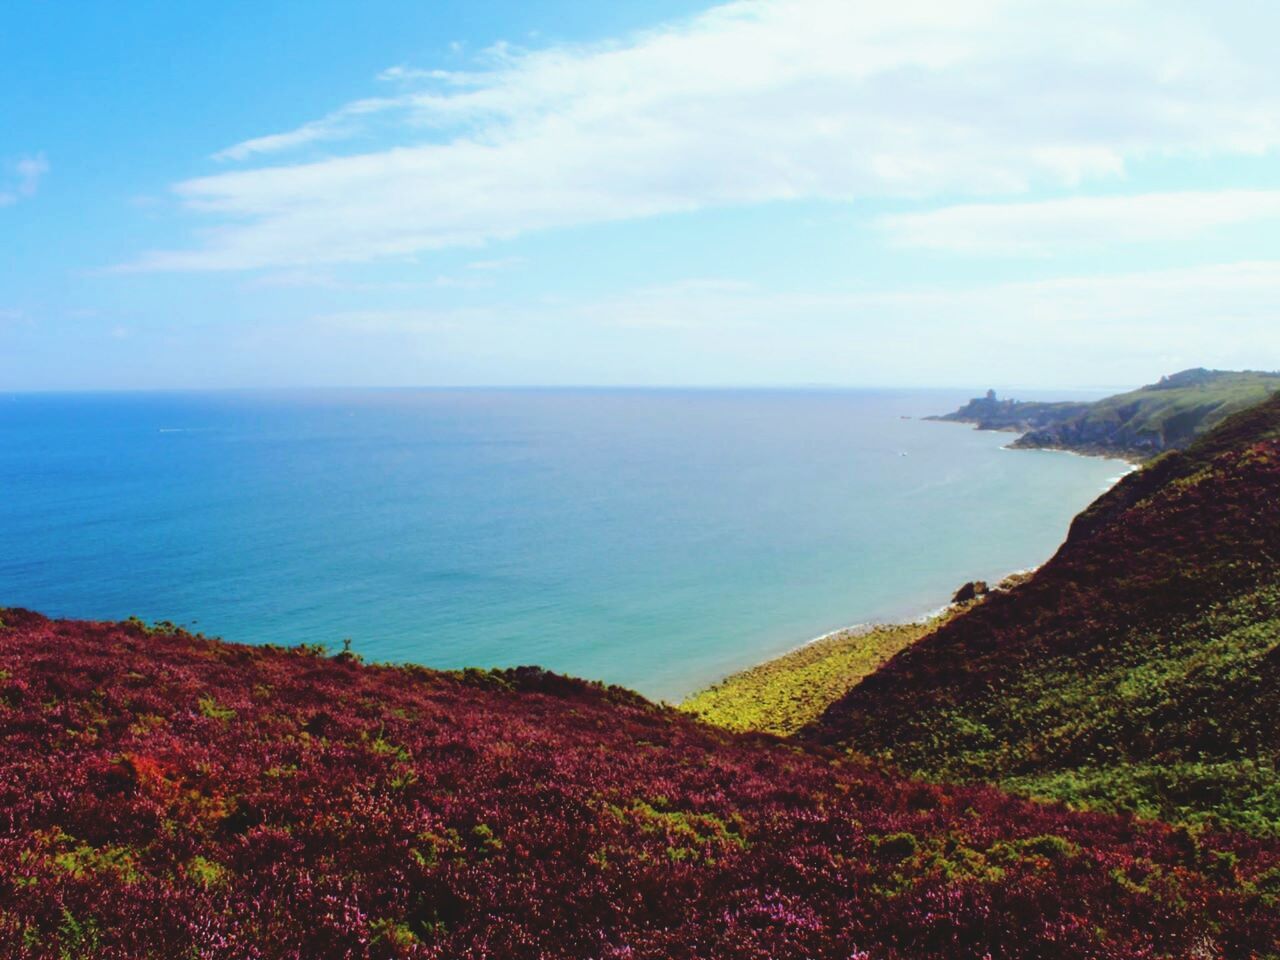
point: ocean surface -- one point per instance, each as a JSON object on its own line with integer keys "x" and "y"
{"x": 657, "y": 539}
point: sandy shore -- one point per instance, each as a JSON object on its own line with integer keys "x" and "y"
{"x": 933, "y": 616}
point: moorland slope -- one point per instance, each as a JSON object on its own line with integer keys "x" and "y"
{"x": 1139, "y": 669}
{"x": 165, "y": 795}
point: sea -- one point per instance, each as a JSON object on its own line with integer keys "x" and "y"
{"x": 658, "y": 539}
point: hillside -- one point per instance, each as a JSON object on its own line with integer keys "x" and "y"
{"x": 1141, "y": 423}
{"x": 1139, "y": 669}
{"x": 166, "y": 795}
{"x": 783, "y": 695}
{"x": 989, "y": 412}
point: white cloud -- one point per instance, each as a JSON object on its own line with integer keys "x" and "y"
{"x": 26, "y": 177}
{"x": 752, "y": 101}
{"x": 1032, "y": 229}
{"x": 1248, "y": 291}
{"x": 392, "y": 321}
{"x": 302, "y": 279}
{"x": 499, "y": 264}
{"x": 336, "y": 126}
{"x": 1083, "y": 331}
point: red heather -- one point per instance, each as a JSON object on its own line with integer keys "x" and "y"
{"x": 164, "y": 795}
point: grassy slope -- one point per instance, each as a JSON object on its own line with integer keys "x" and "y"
{"x": 1138, "y": 669}
{"x": 1161, "y": 416}
{"x": 787, "y": 693}
{"x": 163, "y": 795}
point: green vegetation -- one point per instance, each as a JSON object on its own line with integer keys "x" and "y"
{"x": 209, "y": 707}
{"x": 206, "y": 873}
{"x": 783, "y": 695}
{"x": 1146, "y": 727}
{"x": 989, "y": 412}
{"x": 1139, "y": 670}
{"x": 1163, "y": 416}
{"x": 1141, "y": 423}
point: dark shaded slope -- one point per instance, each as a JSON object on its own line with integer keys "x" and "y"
{"x": 1139, "y": 668}
{"x": 163, "y": 795}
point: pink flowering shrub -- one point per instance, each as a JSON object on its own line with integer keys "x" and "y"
{"x": 164, "y": 795}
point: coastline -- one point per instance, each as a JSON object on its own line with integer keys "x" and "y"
{"x": 864, "y": 646}
{"x": 1131, "y": 463}
{"x": 1134, "y": 460}
{"x": 781, "y": 694}
{"x": 1099, "y": 451}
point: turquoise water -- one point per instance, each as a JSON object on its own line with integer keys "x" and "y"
{"x": 657, "y": 539}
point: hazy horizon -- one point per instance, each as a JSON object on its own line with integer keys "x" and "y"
{"x": 944, "y": 388}
{"x": 1025, "y": 194}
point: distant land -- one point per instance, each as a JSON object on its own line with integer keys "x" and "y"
{"x": 1136, "y": 425}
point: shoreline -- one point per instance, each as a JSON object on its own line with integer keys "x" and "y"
{"x": 1133, "y": 458}
{"x": 867, "y": 627}
{"x": 925, "y": 621}
{"x": 1135, "y": 461}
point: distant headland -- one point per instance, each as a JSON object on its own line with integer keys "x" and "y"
{"x": 1136, "y": 425}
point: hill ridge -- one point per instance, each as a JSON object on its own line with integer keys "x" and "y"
{"x": 1139, "y": 424}
{"x": 1138, "y": 669}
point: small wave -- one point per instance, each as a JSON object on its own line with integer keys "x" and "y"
{"x": 852, "y": 628}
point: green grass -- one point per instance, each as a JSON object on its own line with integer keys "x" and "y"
{"x": 1177, "y": 410}
{"x": 1146, "y": 729}
{"x": 1162, "y": 416}
{"x": 783, "y": 695}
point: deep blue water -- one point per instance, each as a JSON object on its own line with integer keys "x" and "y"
{"x": 658, "y": 539}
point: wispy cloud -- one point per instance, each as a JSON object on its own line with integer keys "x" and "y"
{"x": 496, "y": 265}
{"x": 752, "y": 101}
{"x": 302, "y": 279}
{"x": 1049, "y": 226}
{"x": 1151, "y": 322}
{"x": 1193, "y": 299}
{"x": 338, "y": 125}
{"x": 24, "y": 179}
{"x": 410, "y": 321}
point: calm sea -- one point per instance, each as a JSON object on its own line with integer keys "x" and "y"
{"x": 657, "y": 539}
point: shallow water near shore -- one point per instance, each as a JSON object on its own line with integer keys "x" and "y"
{"x": 654, "y": 538}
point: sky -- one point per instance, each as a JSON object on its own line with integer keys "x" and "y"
{"x": 277, "y": 193}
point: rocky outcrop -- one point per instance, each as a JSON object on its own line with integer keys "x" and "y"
{"x": 971, "y": 591}
{"x": 989, "y": 412}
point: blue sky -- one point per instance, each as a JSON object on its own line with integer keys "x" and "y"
{"x": 974, "y": 192}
